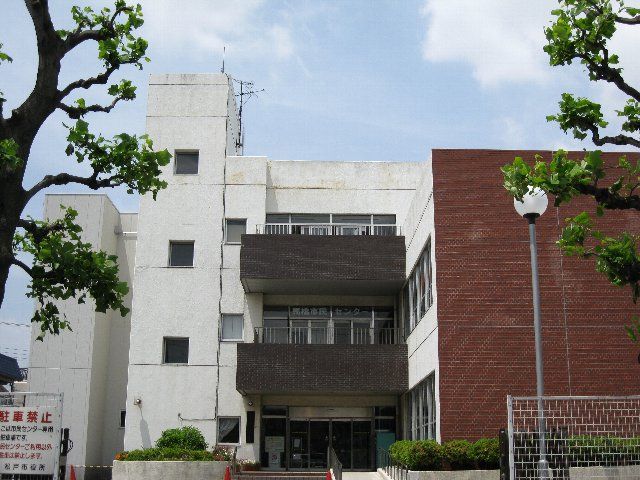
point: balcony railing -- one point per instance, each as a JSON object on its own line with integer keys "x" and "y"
{"x": 335, "y": 335}
{"x": 327, "y": 229}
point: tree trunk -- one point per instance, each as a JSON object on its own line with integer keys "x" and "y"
{"x": 11, "y": 205}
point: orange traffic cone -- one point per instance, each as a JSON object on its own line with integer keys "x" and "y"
{"x": 72, "y": 474}
{"x": 328, "y": 477}
{"x": 227, "y": 473}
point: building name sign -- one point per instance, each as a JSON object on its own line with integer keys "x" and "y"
{"x": 29, "y": 439}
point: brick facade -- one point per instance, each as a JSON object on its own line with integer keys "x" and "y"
{"x": 485, "y": 314}
{"x": 300, "y": 369}
{"x": 322, "y": 264}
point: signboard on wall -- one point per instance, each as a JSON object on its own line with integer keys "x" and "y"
{"x": 29, "y": 440}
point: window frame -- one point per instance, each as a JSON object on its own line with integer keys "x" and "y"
{"x": 164, "y": 350}
{"x": 182, "y": 242}
{"x": 419, "y": 299}
{"x": 220, "y": 442}
{"x": 421, "y": 409}
{"x": 175, "y": 162}
{"x": 231, "y": 340}
{"x": 226, "y": 230}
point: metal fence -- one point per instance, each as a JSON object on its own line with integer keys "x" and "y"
{"x": 337, "y": 335}
{"x": 392, "y": 468}
{"x": 585, "y": 437}
{"x": 327, "y": 229}
{"x": 335, "y": 466}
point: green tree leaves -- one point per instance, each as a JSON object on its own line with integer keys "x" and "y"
{"x": 126, "y": 160}
{"x": 66, "y": 267}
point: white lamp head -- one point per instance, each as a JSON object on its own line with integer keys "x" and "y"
{"x": 533, "y": 204}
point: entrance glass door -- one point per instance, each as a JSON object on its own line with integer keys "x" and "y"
{"x": 361, "y": 444}
{"x": 341, "y": 441}
{"x": 299, "y": 446}
{"x": 318, "y": 443}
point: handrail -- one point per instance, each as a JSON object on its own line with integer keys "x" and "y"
{"x": 345, "y": 229}
{"x": 335, "y": 335}
{"x": 393, "y": 469}
{"x": 335, "y": 466}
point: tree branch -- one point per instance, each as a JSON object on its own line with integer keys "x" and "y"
{"x": 605, "y": 72}
{"x": 77, "y": 112}
{"x": 22, "y": 265}
{"x": 611, "y": 201}
{"x": 107, "y": 31}
{"x": 64, "y": 178}
{"x": 86, "y": 83}
{"x": 620, "y": 139}
{"x": 628, "y": 20}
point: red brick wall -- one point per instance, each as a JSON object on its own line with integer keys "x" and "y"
{"x": 485, "y": 313}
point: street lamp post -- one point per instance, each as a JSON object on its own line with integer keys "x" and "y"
{"x": 534, "y": 204}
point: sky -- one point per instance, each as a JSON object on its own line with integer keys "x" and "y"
{"x": 358, "y": 80}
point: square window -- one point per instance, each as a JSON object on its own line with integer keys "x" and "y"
{"x": 176, "y": 350}
{"x": 123, "y": 418}
{"x": 181, "y": 254}
{"x": 186, "y": 163}
{"x": 234, "y": 229}
{"x": 232, "y": 327}
{"x": 229, "y": 430}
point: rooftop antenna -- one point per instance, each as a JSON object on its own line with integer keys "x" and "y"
{"x": 224, "y": 51}
{"x": 247, "y": 90}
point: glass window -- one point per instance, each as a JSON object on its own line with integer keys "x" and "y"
{"x": 186, "y": 163}
{"x": 384, "y": 219}
{"x": 353, "y": 219}
{"x": 123, "y": 418}
{"x": 422, "y": 410}
{"x": 181, "y": 254}
{"x": 228, "y": 430}
{"x": 276, "y": 330}
{"x": 235, "y": 228}
{"x": 176, "y": 350}
{"x": 232, "y": 327}
{"x": 277, "y": 218}
{"x": 310, "y": 218}
{"x": 274, "y": 410}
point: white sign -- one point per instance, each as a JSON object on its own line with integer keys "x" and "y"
{"x": 29, "y": 440}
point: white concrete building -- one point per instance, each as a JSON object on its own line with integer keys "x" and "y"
{"x": 267, "y": 303}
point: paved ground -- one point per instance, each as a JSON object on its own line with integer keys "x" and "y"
{"x": 361, "y": 476}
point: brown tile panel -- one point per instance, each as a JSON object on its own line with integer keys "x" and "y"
{"x": 276, "y": 368}
{"x": 322, "y": 257}
{"x": 485, "y": 315}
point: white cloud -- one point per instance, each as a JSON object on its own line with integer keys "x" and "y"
{"x": 201, "y": 27}
{"x": 501, "y": 41}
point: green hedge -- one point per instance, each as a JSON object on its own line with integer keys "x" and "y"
{"x": 165, "y": 455}
{"x": 452, "y": 455}
{"x": 186, "y": 438}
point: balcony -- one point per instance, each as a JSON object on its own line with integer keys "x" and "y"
{"x": 323, "y": 361}
{"x": 323, "y": 259}
{"x": 336, "y": 335}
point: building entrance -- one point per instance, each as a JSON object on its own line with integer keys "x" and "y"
{"x": 298, "y": 437}
{"x": 309, "y": 440}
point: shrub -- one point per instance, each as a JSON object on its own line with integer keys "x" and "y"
{"x": 165, "y": 455}
{"x": 186, "y": 438}
{"x": 486, "y": 453}
{"x": 221, "y": 453}
{"x": 249, "y": 466}
{"x": 457, "y": 454}
{"x": 418, "y": 454}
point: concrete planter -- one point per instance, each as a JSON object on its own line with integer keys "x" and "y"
{"x": 449, "y": 475}
{"x": 168, "y": 470}
{"x": 456, "y": 475}
{"x": 585, "y": 473}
